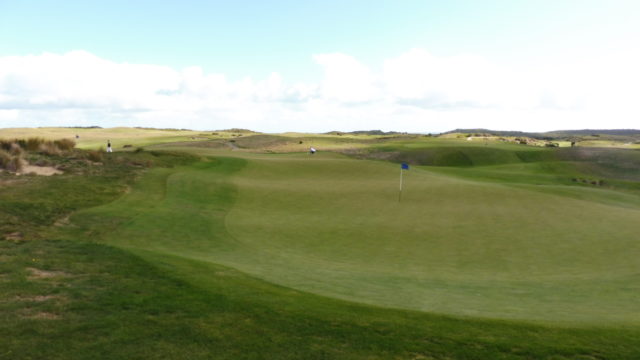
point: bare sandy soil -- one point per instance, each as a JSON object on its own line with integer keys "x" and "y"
{"x": 39, "y": 170}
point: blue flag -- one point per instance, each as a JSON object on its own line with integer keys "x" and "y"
{"x": 405, "y": 166}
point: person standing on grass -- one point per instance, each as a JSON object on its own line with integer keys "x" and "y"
{"x": 109, "y": 149}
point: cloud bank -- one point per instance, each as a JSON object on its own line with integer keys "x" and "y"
{"x": 414, "y": 91}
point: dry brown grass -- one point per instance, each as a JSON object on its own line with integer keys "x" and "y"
{"x": 15, "y": 164}
{"x": 49, "y": 148}
{"x": 95, "y": 155}
{"x": 5, "y": 158}
{"x": 15, "y": 149}
{"x": 65, "y": 144}
{"x": 32, "y": 144}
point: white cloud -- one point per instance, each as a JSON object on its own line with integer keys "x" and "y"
{"x": 414, "y": 91}
{"x": 346, "y": 79}
{"x": 445, "y": 81}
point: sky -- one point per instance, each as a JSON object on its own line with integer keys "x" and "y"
{"x": 313, "y": 66}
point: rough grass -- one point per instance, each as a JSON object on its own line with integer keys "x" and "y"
{"x": 96, "y": 138}
{"x": 31, "y": 204}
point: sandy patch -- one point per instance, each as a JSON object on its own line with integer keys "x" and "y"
{"x": 14, "y": 236}
{"x": 44, "y": 316}
{"x": 44, "y": 274}
{"x": 39, "y": 170}
{"x": 37, "y": 298}
{"x": 62, "y": 222}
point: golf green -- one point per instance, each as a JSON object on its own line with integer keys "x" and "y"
{"x": 334, "y": 226}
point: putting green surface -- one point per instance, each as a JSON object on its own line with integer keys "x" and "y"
{"x": 334, "y": 226}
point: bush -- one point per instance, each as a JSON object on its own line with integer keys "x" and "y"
{"x": 49, "y": 148}
{"x": 15, "y": 149}
{"x": 32, "y": 144}
{"x": 15, "y": 164}
{"x": 6, "y": 145}
{"x": 95, "y": 155}
{"x": 5, "y": 158}
{"x": 65, "y": 144}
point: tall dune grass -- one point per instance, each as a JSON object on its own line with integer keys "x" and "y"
{"x": 12, "y": 151}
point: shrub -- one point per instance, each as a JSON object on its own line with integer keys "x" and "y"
{"x": 95, "y": 155}
{"x": 6, "y": 145}
{"x": 49, "y": 148}
{"x": 33, "y": 144}
{"x": 15, "y": 149}
{"x": 5, "y": 158}
{"x": 65, "y": 144}
{"x": 138, "y": 150}
{"x": 15, "y": 164}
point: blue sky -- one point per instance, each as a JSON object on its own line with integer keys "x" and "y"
{"x": 256, "y": 39}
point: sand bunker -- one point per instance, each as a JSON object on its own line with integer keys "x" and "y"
{"x": 40, "y": 170}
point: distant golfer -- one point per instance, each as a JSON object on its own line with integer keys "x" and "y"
{"x": 312, "y": 151}
{"x": 109, "y": 149}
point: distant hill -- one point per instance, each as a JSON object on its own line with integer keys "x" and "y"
{"x": 366, "y": 132}
{"x": 557, "y": 134}
{"x": 240, "y": 131}
{"x": 588, "y": 132}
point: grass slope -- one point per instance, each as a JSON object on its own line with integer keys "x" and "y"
{"x": 312, "y": 223}
{"x": 333, "y": 226}
{"x": 93, "y": 301}
{"x": 75, "y": 299}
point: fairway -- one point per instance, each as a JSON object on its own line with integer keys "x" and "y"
{"x": 333, "y": 226}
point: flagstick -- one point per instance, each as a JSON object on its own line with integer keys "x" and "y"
{"x": 400, "y": 192}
